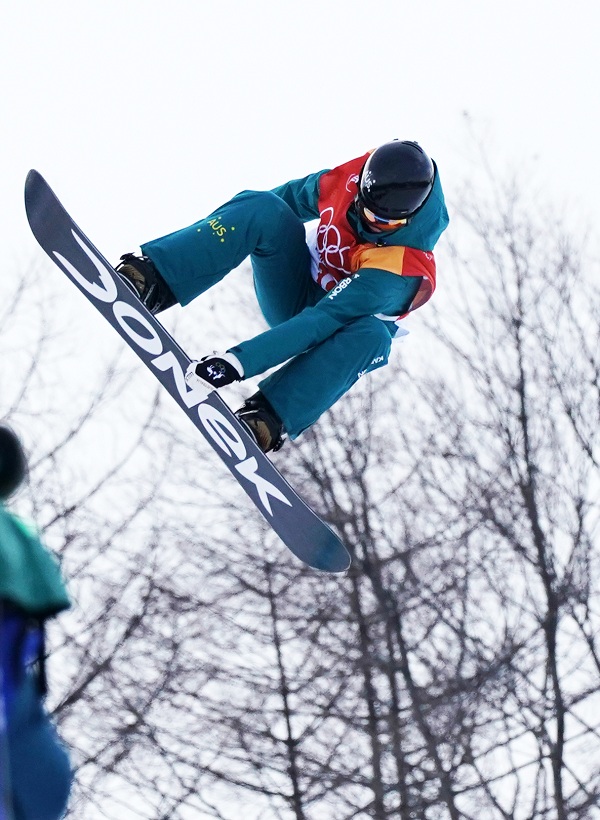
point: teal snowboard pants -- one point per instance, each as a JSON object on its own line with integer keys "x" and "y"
{"x": 261, "y": 225}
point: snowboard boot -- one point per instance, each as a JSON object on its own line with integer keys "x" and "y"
{"x": 141, "y": 274}
{"x": 263, "y": 422}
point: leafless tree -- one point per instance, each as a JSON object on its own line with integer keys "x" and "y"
{"x": 453, "y": 674}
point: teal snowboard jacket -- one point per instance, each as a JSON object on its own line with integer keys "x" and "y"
{"x": 372, "y": 274}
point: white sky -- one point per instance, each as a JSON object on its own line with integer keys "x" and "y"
{"x": 143, "y": 115}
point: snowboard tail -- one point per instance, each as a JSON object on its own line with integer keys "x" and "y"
{"x": 298, "y": 526}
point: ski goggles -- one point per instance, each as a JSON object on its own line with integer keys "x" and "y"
{"x": 379, "y": 221}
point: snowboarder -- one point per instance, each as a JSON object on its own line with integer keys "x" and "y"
{"x": 332, "y": 297}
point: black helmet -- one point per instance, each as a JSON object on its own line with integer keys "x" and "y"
{"x": 396, "y": 180}
{"x": 13, "y": 464}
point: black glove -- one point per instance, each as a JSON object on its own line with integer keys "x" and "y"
{"x": 214, "y": 371}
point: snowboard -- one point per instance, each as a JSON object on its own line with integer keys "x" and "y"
{"x": 298, "y": 526}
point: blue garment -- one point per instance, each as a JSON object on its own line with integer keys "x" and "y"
{"x": 35, "y": 777}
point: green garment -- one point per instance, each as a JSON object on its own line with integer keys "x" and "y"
{"x": 368, "y": 293}
{"x": 332, "y": 338}
{"x": 322, "y": 342}
{"x": 29, "y": 575}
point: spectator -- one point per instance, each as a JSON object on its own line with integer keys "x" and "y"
{"x": 35, "y": 774}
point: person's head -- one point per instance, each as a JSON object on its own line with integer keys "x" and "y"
{"x": 13, "y": 463}
{"x": 394, "y": 184}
